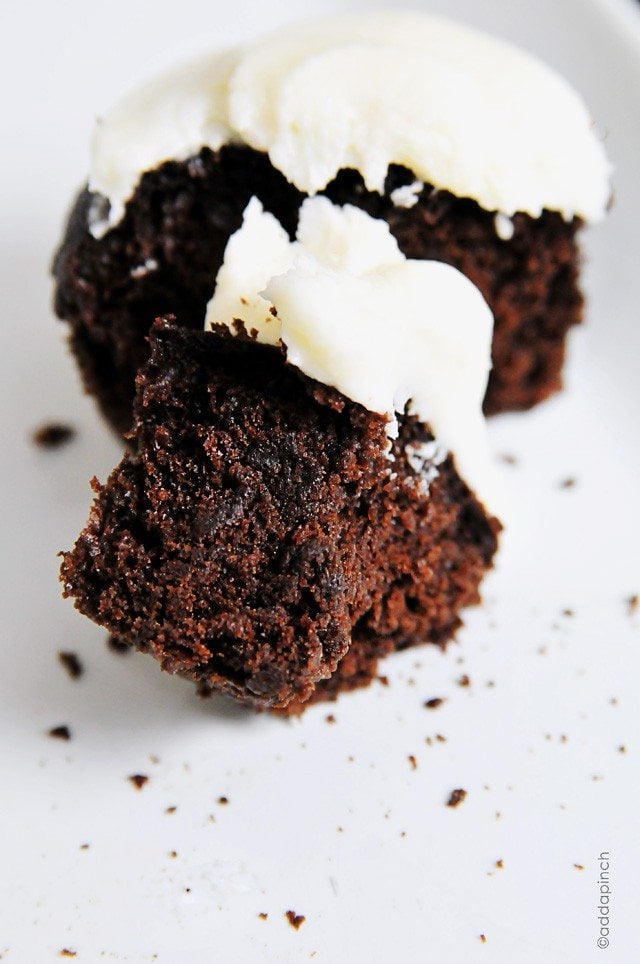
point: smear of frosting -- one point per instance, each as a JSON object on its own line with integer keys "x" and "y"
{"x": 355, "y": 314}
{"x": 464, "y": 111}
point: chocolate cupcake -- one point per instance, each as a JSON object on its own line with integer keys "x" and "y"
{"x": 308, "y": 487}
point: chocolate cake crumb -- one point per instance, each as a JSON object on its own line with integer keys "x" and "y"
{"x": 330, "y": 718}
{"x": 65, "y": 952}
{"x": 296, "y": 920}
{"x": 170, "y": 809}
{"x": 434, "y": 702}
{"x": 173, "y": 854}
{"x": 568, "y": 613}
{"x": 84, "y": 846}
{"x": 223, "y": 801}
{"x": 579, "y": 866}
{"x": 413, "y": 763}
{"x": 263, "y": 916}
{"x": 118, "y": 645}
{"x": 60, "y": 732}
{"x": 456, "y": 797}
{"x": 622, "y": 748}
{"x": 568, "y": 483}
{"x": 71, "y": 663}
{"x": 633, "y": 602}
{"x": 500, "y": 864}
{"x": 464, "y": 680}
{"x": 53, "y": 435}
{"x": 383, "y": 680}
{"x": 483, "y": 939}
{"x": 138, "y": 780}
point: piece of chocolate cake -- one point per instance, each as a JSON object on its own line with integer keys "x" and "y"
{"x": 473, "y": 152}
{"x": 255, "y": 540}
{"x": 288, "y": 513}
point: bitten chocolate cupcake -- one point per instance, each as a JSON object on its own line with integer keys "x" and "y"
{"x": 473, "y": 152}
{"x": 308, "y": 486}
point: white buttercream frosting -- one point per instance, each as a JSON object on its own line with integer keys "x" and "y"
{"x": 464, "y": 111}
{"x": 355, "y": 314}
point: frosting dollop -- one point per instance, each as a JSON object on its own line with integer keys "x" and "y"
{"x": 462, "y": 110}
{"x": 355, "y": 314}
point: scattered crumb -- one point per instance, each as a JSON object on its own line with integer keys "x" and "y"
{"x": 173, "y": 854}
{"x": 490, "y": 683}
{"x": 263, "y": 916}
{"x": 622, "y": 748}
{"x": 329, "y": 718}
{"x": 413, "y": 763}
{"x": 464, "y": 680}
{"x": 456, "y": 797}
{"x": 579, "y": 866}
{"x": 71, "y": 663}
{"x": 498, "y": 814}
{"x": 568, "y": 613}
{"x": 170, "y": 809}
{"x": 339, "y": 830}
{"x": 65, "y": 952}
{"x": 52, "y": 435}
{"x": 564, "y": 738}
{"x": 508, "y": 458}
{"x": 383, "y": 680}
{"x": 84, "y": 846}
{"x": 596, "y": 777}
{"x": 613, "y": 701}
{"x": 153, "y": 758}
{"x": 434, "y": 702}
{"x": 567, "y": 483}
{"x": 633, "y": 603}
{"x": 500, "y": 864}
{"x": 223, "y": 801}
{"x": 403, "y": 833}
{"x": 296, "y": 920}
{"x": 440, "y": 738}
{"x": 138, "y": 780}
{"x": 60, "y": 732}
{"x": 117, "y": 645}
{"x": 483, "y": 939}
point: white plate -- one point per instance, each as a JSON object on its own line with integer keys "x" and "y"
{"x": 327, "y": 820}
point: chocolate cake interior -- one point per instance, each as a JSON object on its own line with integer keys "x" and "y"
{"x": 259, "y": 540}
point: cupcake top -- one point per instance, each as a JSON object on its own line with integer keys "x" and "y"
{"x": 462, "y": 110}
{"x": 353, "y": 313}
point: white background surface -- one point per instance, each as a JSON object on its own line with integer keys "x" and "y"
{"x": 405, "y": 878}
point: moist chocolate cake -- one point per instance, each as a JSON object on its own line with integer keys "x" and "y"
{"x": 165, "y": 254}
{"x": 493, "y": 178}
{"x": 258, "y": 539}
